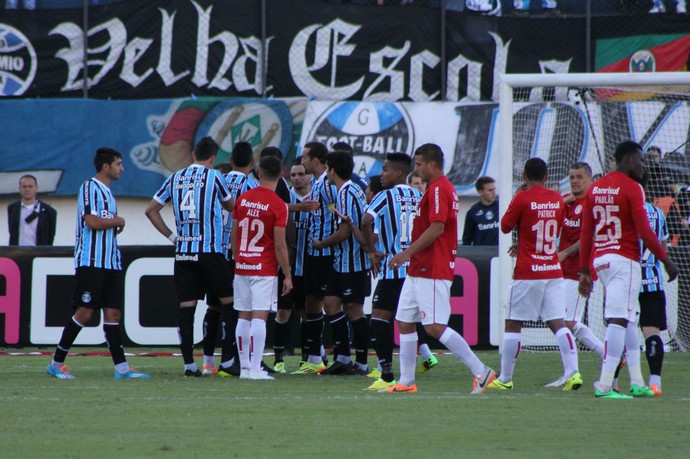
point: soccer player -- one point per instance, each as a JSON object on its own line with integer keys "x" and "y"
{"x": 258, "y": 242}
{"x": 614, "y": 220}
{"x": 481, "y": 220}
{"x": 98, "y": 267}
{"x": 296, "y": 298}
{"x": 393, "y": 212}
{"x": 238, "y": 182}
{"x": 318, "y": 263}
{"x": 537, "y": 289}
{"x": 197, "y": 193}
{"x": 580, "y": 176}
{"x": 349, "y": 283}
{"x": 415, "y": 181}
{"x": 425, "y": 294}
{"x": 652, "y": 297}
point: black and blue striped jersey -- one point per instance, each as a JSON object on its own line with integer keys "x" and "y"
{"x": 301, "y": 220}
{"x": 394, "y": 211}
{"x": 322, "y": 220}
{"x": 652, "y": 280}
{"x": 237, "y": 183}
{"x": 96, "y": 248}
{"x": 349, "y": 255}
{"x": 196, "y": 193}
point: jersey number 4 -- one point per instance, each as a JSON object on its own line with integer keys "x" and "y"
{"x": 188, "y": 204}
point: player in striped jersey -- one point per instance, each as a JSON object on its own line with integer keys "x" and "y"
{"x": 241, "y": 162}
{"x": 98, "y": 267}
{"x": 296, "y": 298}
{"x": 652, "y": 297}
{"x": 349, "y": 284}
{"x": 197, "y": 194}
{"x": 393, "y": 212}
{"x": 318, "y": 263}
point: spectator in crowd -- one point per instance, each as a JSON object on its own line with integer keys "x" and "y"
{"x": 662, "y": 6}
{"x": 547, "y": 6}
{"x": 415, "y": 181}
{"x": 653, "y": 153}
{"x": 98, "y": 273}
{"x": 31, "y": 222}
{"x": 481, "y": 220}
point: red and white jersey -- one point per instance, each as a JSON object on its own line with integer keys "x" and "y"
{"x": 537, "y": 213}
{"x": 570, "y": 234}
{"x": 257, "y": 213}
{"x": 614, "y": 216}
{"x": 439, "y": 204}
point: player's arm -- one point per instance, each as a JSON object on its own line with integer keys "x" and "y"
{"x": 281, "y": 254}
{"x": 585, "y": 284}
{"x": 307, "y": 205}
{"x": 347, "y": 220}
{"x": 153, "y": 212}
{"x": 512, "y": 216}
{"x": 650, "y": 239}
{"x": 569, "y": 252}
{"x": 99, "y": 223}
{"x": 291, "y": 238}
{"x": 342, "y": 233}
{"x": 233, "y": 235}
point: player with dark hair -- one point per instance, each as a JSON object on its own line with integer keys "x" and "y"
{"x": 98, "y": 264}
{"x": 425, "y": 294}
{"x": 30, "y": 222}
{"x": 614, "y": 220}
{"x": 481, "y": 220}
{"x": 259, "y": 220}
{"x": 198, "y": 194}
{"x": 348, "y": 284}
{"x": 537, "y": 290}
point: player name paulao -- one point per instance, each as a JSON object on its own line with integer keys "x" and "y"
{"x": 248, "y": 267}
{"x": 538, "y": 268}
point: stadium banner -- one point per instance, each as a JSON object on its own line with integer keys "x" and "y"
{"x": 174, "y": 48}
{"x": 55, "y": 140}
{"x": 36, "y": 287}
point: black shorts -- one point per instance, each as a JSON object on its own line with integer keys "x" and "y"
{"x": 98, "y": 288}
{"x": 653, "y": 310}
{"x": 317, "y": 271}
{"x": 387, "y": 294}
{"x": 200, "y": 274}
{"x": 296, "y": 298}
{"x": 211, "y": 299}
{"x": 350, "y": 287}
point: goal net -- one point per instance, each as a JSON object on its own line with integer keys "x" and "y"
{"x": 568, "y": 118}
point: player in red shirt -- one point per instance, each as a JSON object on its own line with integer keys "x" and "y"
{"x": 537, "y": 289}
{"x": 259, "y": 219}
{"x": 425, "y": 294}
{"x": 580, "y": 177}
{"x": 614, "y": 217}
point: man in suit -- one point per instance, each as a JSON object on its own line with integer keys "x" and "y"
{"x": 31, "y": 222}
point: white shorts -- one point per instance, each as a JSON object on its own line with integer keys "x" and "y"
{"x": 621, "y": 278}
{"x": 574, "y": 302}
{"x": 256, "y": 293}
{"x": 424, "y": 300}
{"x": 531, "y": 299}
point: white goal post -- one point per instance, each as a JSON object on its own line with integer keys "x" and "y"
{"x": 660, "y": 94}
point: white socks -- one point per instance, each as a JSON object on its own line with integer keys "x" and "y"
{"x": 615, "y": 345}
{"x": 566, "y": 344}
{"x": 509, "y": 354}
{"x": 243, "y": 341}
{"x": 408, "y": 358}
{"x": 257, "y": 336}
{"x": 459, "y": 347}
{"x": 587, "y": 337}
{"x": 632, "y": 354}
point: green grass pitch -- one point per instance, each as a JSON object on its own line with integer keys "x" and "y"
{"x": 319, "y": 416}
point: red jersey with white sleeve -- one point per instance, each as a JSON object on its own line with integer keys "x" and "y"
{"x": 570, "y": 234}
{"x": 258, "y": 212}
{"x": 614, "y": 217}
{"x": 537, "y": 213}
{"x": 439, "y": 204}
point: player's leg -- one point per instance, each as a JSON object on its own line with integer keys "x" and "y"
{"x": 428, "y": 360}
{"x": 621, "y": 279}
{"x": 653, "y": 322}
{"x": 281, "y": 330}
{"x": 315, "y": 284}
{"x": 574, "y": 310}
{"x": 384, "y": 306}
{"x": 220, "y": 274}
{"x": 264, "y": 299}
{"x": 552, "y": 312}
{"x": 407, "y": 316}
{"x": 243, "y": 306}
{"x": 433, "y": 297}
{"x": 83, "y": 300}
{"x": 356, "y": 287}
{"x": 333, "y": 307}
